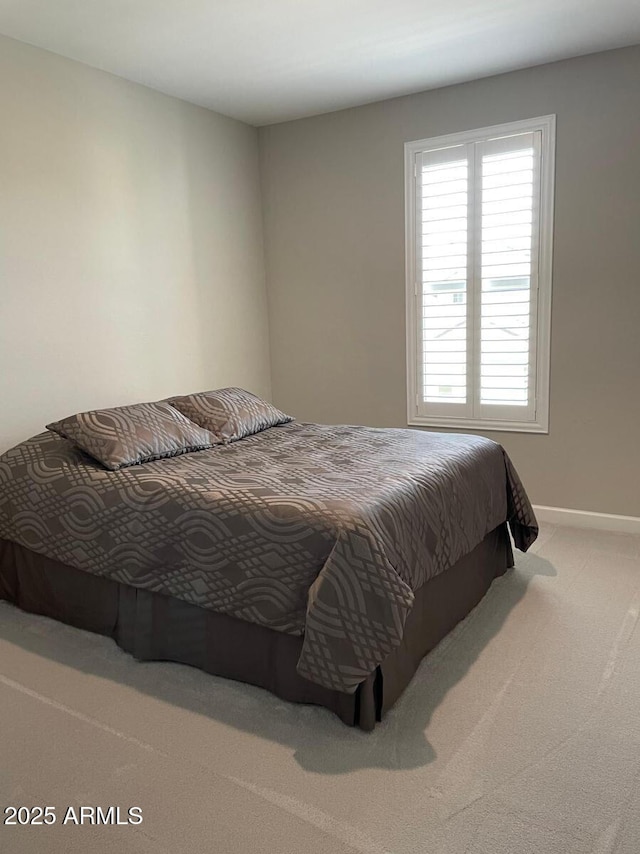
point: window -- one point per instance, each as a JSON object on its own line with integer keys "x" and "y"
{"x": 479, "y": 230}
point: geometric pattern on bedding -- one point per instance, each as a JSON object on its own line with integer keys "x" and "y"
{"x": 313, "y": 530}
{"x": 128, "y": 435}
{"x": 230, "y": 413}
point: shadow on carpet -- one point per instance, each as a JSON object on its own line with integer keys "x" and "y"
{"x": 320, "y": 742}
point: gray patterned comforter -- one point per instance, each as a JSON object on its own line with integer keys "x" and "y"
{"x": 314, "y": 530}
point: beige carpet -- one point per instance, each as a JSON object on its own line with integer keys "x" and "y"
{"x": 520, "y": 734}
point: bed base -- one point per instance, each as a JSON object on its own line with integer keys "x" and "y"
{"x": 153, "y": 626}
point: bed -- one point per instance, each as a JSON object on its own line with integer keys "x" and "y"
{"x": 320, "y": 562}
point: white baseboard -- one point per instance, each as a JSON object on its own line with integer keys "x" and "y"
{"x": 587, "y": 519}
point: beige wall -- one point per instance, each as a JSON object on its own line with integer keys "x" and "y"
{"x": 131, "y": 259}
{"x": 333, "y": 197}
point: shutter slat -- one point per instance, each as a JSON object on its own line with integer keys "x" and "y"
{"x": 448, "y": 226}
{"x": 506, "y": 256}
{"x": 493, "y": 310}
{"x": 498, "y": 271}
{"x": 441, "y": 276}
{"x": 509, "y": 244}
{"x": 507, "y": 231}
{"x": 451, "y": 263}
{"x": 444, "y": 201}
{"x": 445, "y": 233}
{"x": 438, "y": 189}
{"x": 507, "y": 206}
{"x": 452, "y": 214}
{"x": 442, "y": 251}
{"x": 508, "y": 178}
{"x": 524, "y": 217}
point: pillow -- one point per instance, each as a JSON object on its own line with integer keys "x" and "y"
{"x": 230, "y": 413}
{"x": 128, "y": 435}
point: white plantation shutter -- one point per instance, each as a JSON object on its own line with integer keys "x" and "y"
{"x": 508, "y": 233}
{"x": 478, "y": 264}
{"x": 444, "y": 259}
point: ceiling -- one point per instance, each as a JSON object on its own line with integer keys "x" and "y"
{"x": 266, "y": 61}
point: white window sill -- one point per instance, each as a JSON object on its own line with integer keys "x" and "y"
{"x": 475, "y": 424}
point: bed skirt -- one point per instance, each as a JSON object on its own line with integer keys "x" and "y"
{"x": 152, "y": 626}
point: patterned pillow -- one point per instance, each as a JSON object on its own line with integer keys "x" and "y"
{"x": 230, "y": 413}
{"x": 128, "y": 435}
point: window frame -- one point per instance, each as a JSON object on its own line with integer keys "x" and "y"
{"x": 541, "y": 322}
